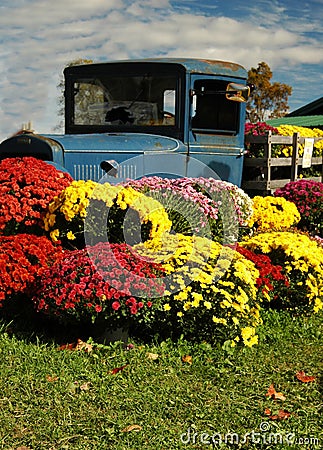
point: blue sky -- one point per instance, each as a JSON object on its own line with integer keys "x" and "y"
{"x": 40, "y": 37}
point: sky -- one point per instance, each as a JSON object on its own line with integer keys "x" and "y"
{"x": 38, "y": 38}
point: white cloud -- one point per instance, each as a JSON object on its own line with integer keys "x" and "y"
{"x": 40, "y": 37}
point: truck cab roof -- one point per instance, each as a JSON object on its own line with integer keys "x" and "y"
{"x": 191, "y": 65}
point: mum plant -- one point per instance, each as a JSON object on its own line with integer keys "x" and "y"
{"x": 27, "y": 185}
{"x": 259, "y": 129}
{"x": 23, "y": 258}
{"x": 302, "y": 261}
{"x": 211, "y": 290}
{"x": 307, "y": 195}
{"x": 202, "y": 206}
{"x": 271, "y": 277}
{"x": 273, "y": 213}
{"x": 112, "y": 285}
{"x": 103, "y": 212}
{"x": 235, "y": 206}
{"x": 187, "y": 209}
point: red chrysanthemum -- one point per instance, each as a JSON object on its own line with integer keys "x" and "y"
{"x": 27, "y": 185}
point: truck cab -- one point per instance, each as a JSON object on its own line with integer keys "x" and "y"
{"x": 145, "y": 117}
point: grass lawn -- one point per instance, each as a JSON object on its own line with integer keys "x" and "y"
{"x": 165, "y": 395}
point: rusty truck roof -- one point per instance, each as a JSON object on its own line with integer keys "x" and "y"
{"x": 191, "y": 65}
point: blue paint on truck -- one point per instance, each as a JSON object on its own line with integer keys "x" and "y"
{"x": 143, "y": 117}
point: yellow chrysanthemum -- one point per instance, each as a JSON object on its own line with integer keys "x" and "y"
{"x": 54, "y": 235}
{"x": 72, "y": 205}
{"x": 221, "y": 283}
{"x": 249, "y": 336}
{"x": 219, "y": 320}
{"x": 301, "y": 258}
{"x": 273, "y": 212}
{"x": 289, "y": 130}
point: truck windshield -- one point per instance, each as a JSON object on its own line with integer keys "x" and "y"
{"x": 121, "y": 100}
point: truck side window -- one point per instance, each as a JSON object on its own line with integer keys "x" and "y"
{"x": 213, "y": 112}
{"x": 169, "y": 104}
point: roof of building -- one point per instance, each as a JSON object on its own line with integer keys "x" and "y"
{"x": 313, "y": 108}
{"x": 299, "y": 121}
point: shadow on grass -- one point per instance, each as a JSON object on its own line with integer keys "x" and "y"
{"x": 19, "y": 318}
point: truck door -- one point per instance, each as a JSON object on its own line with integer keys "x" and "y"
{"x": 216, "y": 132}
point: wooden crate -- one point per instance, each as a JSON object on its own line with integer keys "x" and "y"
{"x": 265, "y": 182}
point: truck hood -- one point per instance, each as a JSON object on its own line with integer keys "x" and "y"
{"x": 128, "y": 142}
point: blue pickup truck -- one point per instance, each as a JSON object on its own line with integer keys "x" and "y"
{"x": 147, "y": 117}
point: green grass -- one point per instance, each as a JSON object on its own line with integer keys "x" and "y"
{"x": 84, "y": 406}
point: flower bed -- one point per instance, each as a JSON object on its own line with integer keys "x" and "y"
{"x": 262, "y": 128}
{"x": 273, "y": 213}
{"x": 289, "y": 130}
{"x": 271, "y": 277}
{"x": 201, "y": 206}
{"x": 165, "y": 268}
{"x": 254, "y": 150}
{"x": 274, "y": 157}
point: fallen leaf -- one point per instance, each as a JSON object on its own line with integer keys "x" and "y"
{"x": 267, "y": 412}
{"x": 304, "y": 378}
{"x": 79, "y": 345}
{"x": 85, "y": 386}
{"x": 282, "y": 415}
{"x": 117, "y": 369}
{"x": 83, "y": 346}
{"x": 187, "y": 359}
{"x": 67, "y": 346}
{"x": 51, "y": 379}
{"x": 275, "y": 395}
{"x": 131, "y": 428}
{"x": 152, "y": 356}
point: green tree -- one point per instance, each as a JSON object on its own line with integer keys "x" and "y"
{"x": 268, "y": 100}
{"x": 61, "y": 88}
